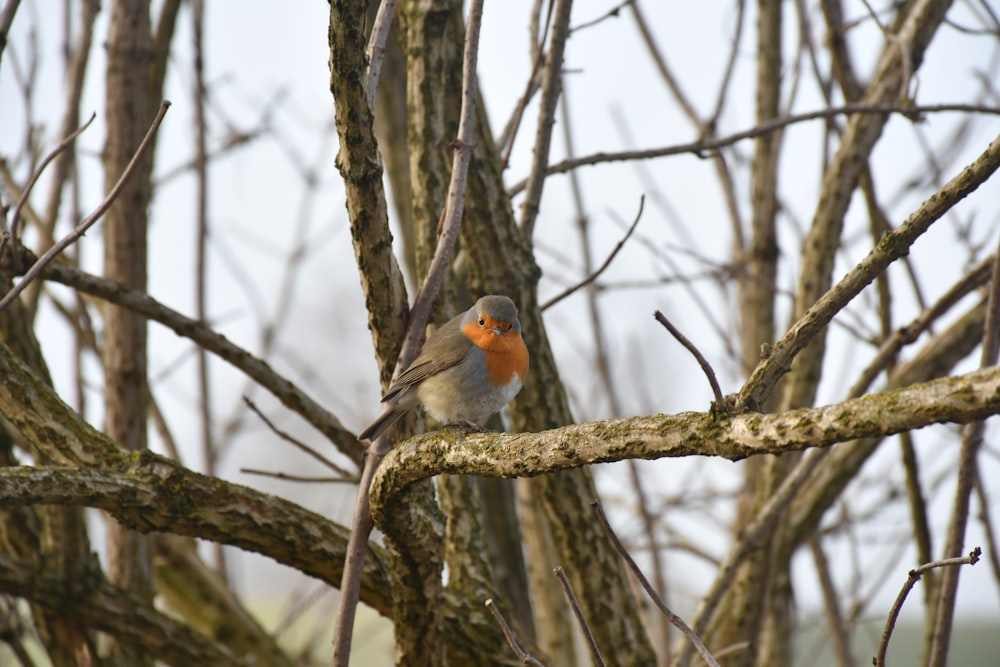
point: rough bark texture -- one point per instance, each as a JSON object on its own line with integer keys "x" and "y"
{"x": 956, "y": 399}
{"x": 358, "y": 162}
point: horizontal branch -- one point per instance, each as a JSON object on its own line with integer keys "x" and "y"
{"x": 704, "y": 147}
{"x": 150, "y": 493}
{"x": 95, "y": 602}
{"x": 957, "y": 399}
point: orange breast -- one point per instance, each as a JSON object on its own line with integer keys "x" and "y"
{"x": 506, "y": 354}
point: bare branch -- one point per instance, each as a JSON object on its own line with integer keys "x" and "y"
{"x": 607, "y": 262}
{"x": 524, "y": 657}
{"x": 719, "y": 406}
{"x": 551, "y": 88}
{"x": 957, "y": 399}
{"x": 912, "y": 578}
{"x": 674, "y": 619}
{"x": 295, "y": 442}
{"x": 299, "y": 478}
{"x": 98, "y": 603}
{"x": 149, "y": 493}
{"x": 704, "y": 148}
{"x": 376, "y": 46}
{"x": 892, "y": 246}
{"x": 15, "y": 221}
{"x": 574, "y": 604}
{"x": 284, "y": 390}
{"x": 972, "y": 440}
{"x": 839, "y": 633}
{"x": 88, "y": 222}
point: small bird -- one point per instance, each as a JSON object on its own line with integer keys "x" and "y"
{"x": 467, "y": 370}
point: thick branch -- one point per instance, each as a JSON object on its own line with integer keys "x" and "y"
{"x": 150, "y": 493}
{"x": 958, "y": 399}
{"x": 97, "y": 603}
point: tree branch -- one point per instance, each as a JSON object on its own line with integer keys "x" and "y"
{"x": 207, "y": 338}
{"x": 95, "y": 602}
{"x": 149, "y": 493}
{"x": 91, "y": 219}
{"x": 892, "y": 246}
{"x": 911, "y": 579}
{"x": 957, "y": 399}
{"x": 704, "y": 147}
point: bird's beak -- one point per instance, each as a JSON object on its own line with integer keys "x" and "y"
{"x": 497, "y": 330}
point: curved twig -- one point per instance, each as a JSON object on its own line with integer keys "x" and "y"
{"x": 522, "y": 655}
{"x": 674, "y": 619}
{"x": 607, "y": 262}
{"x": 912, "y": 578}
{"x": 88, "y": 222}
{"x": 15, "y": 220}
{"x": 376, "y": 46}
{"x": 719, "y": 405}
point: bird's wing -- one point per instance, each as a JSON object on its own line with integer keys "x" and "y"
{"x": 443, "y": 349}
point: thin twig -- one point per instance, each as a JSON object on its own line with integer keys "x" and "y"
{"x": 505, "y": 142}
{"x": 15, "y": 220}
{"x": 451, "y": 221}
{"x": 735, "y": 647}
{"x": 719, "y": 405}
{"x": 900, "y": 47}
{"x": 299, "y": 478}
{"x": 676, "y": 620}
{"x": 984, "y": 517}
{"x": 88, "y": 222}
{"x": 376, "y": 46}
{"x": 551, "y": 87}
{"x": 607, "y": 262}
{"x": 610, "y": 14}
{"x": 420, "y": 315}
{"x": 595, "y": 651}
{"x": 837, "y": 629}
{"x": 522, "y": 655}
{"x": 911, "y": 580}
{"x": 891, "y": 346}
{"x": 354, "y": 564}
{"x": 704, "y": 148}
{"x": 209, "y": 448}
{"x": 296, "y": 442}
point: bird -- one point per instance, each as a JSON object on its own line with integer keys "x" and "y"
{"x": 467, "y": 370}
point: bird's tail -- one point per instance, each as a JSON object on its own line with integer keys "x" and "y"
{"x": 384, "y": 421}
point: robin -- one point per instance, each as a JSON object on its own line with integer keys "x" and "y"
{"x": 467, "y": 370}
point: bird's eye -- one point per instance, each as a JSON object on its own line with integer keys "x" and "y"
{"x": 482, "y": 322}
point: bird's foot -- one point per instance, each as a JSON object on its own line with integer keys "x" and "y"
{"x": 471, "y": 427}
